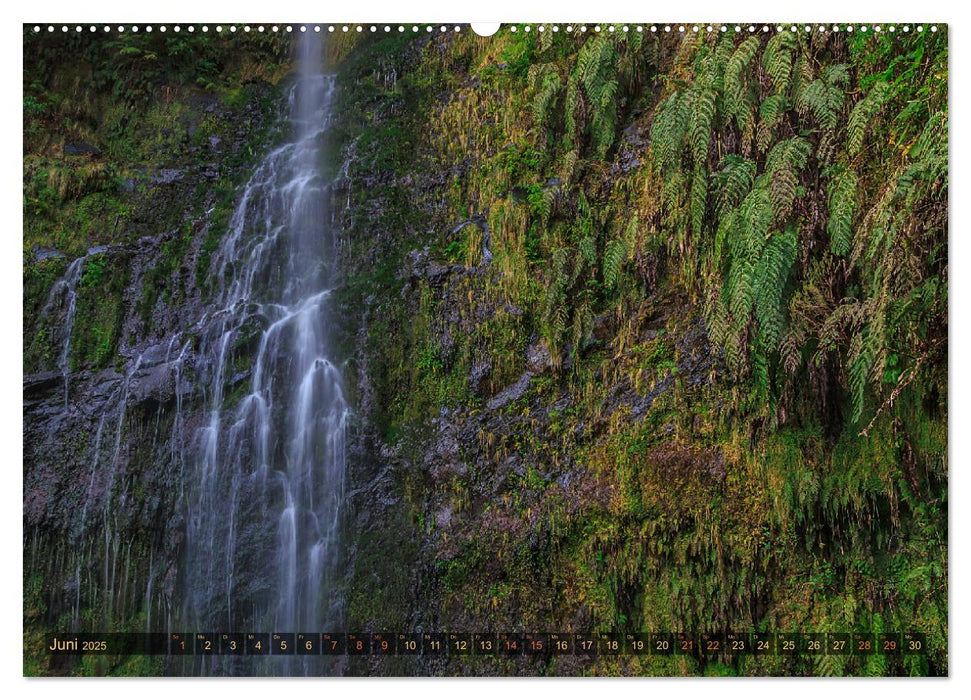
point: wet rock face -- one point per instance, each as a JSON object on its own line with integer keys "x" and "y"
{"x": 104, "y": 470}
{"x": 480, "y": 373}
{"x": 538, "y": 358}
{"x": 513, "y": 392}
{"x": 81, "y": 149}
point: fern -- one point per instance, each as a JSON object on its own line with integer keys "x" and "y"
{"x": 760, "y": 370}
{"x": 793, "y": 153}
{"x": 824, "y": 97}
{"x": 859, "y": 370}
{"x": 545, "y": 205}
{"x": 569, "y": 160}
{"x": 842, "y": 206}
{"x": 734, "y": 84}
{"x": 734, "y": 180}
{"x": 545, "y": 40}
{"x": 702, "y": 116}
{"x": 777, "y": 59}
{"x": 595, "y": 68}
{"x": 756, "y": 217}
{"x": 771, "y": 276}
{"x": 763, "y": 136}
{"x": 547, "y": 85}
{"x": 669, "y": 128}
{"x": 699, "y": 198}
{"x": 588, "y": 250}
{"x": 614, "y": 255}
{"x": 862, "y": 115}
{"x": 772, "y": 109}
{"x": 784, "y": 189}
{"x": 571, "y": 118}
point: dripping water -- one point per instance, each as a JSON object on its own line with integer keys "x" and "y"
{"x": 266, "y": 470}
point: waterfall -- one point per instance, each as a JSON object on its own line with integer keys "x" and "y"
{"x": 265, "y": 473}
{"x": 64, "y": 293}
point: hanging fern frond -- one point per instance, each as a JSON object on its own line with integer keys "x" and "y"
{"x": 734, "y": 180}
{"x": 862, "y": 116}
{"x": 569, "y": 166}
{"x": 777, "y": 59}
{"x": 588, "y": 249}
{"x": 596, "y": 72}
{"x": 756, "y": 217}
{"x": 699, "y": 198}
{"x": 614, "y": 255}
{"x": 824, "y": 97}
{"x": 771, "y": 277}
{"x": 735, "y": 84}
{"x": 702, "y": 116}
{"x": 784, "y": 189}
{"x": 793, "y": 153}
{"x": 571, "y": 118}
{"x": 668, "y": 130}
{"x": 842, "y": 207}
{"x": 772, "y": 109}
{"x": 547, "y": 85}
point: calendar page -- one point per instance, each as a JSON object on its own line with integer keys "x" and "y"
{"x": 379, "y": 349}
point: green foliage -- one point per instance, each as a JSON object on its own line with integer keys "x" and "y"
{"x": 748, "y": 213}
{"x": 777, "y": 59}
{"x": 596, "y": 73}
{"x": 842, "y": 207}
{"x": 637, "y": 484}
{"x": 614, "y": 256}
{"x": 771, "y": 277}
{"x": 824, "y": 96}
{"x": 737, "y": 93}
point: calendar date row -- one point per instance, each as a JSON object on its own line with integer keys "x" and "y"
{"x": 490, "y": 644}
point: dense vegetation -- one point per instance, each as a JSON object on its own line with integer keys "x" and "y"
{"x": 733, "y": 250}
{"x": 644, "y": 331}
{"x": 106, "y": 119}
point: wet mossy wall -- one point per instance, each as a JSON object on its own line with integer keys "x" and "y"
{"x": 652, "y": 333}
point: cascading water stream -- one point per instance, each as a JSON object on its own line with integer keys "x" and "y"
{"x": 267, "y": 469}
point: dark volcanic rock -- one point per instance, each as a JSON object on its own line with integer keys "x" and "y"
{"x": 81, "y": 149}
{"x": 511, "y": 392}
{"x": 538, "y": 358}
